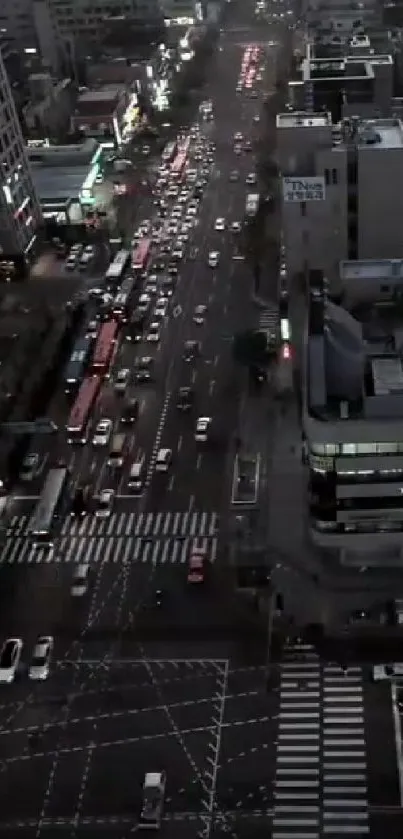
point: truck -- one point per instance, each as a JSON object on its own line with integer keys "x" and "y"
{"x": 153, "y": 800}
{"x": 252, "y": 204}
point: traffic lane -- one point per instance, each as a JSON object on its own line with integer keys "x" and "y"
{"x": 248, "y": 743}
{"x": 34, "y": 600}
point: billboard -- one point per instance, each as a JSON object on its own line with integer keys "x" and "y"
{"x": 303, "y": 189}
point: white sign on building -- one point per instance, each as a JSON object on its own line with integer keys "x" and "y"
{"x": 304, "y": 189}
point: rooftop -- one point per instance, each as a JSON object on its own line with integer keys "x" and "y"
{"x": 302, "y": 119}
{"x": 108, "y": 93}
{"x": 59, "y": 185}
{"x": 355, "y": 350}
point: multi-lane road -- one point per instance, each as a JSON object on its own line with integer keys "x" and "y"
{"x": 136, "y": 687}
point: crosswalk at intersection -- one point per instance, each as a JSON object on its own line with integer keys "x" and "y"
{"x": 320, "y": 787}
{"x": 156, "y": 538}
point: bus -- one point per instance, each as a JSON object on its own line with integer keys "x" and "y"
{"x": 179, "y": 164}
{"x": 169, "y": 152}
{"x": 104, "y": 347}
{"x": 118, "y": 266}
{"x": 141, "y": 255}
{"x": 78, "y": 421}
{"x": 50, "y": 507}
{"x": 76, "y": 366}
{"x": 123, "y": 300}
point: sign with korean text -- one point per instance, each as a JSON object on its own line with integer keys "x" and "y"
{"x": 304, "y": 189}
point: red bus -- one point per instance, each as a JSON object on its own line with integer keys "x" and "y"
{"x": 184, "y": 147}
{"x": 179, "y": 164}
{"x": 141, "y": 255}
{"x": 104, "y": 347}
{"x": 78, "y": 421}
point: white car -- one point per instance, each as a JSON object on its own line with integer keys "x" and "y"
{"x": 102, "y": 432}
{"x": 219, "y": 224}
{"x": 213, "y": 259}
{"x": 153, "y": 335}
{"x": 79, "y": 582}
{"x": 40, "y": 661}
{"x": 382, "y": 672}
{"x": 161, "y": 308}
{"x": 251, "y": 178}
{"x": 172, "y": 229}
{"x": 191, "y": 212}
{"x": 164, "y": 460}
{"x": 202, "y": 429}
{"x": 199, "y": 315}
{"x": 236, "y": 227}
{"x": 10, "y": 656}
{"x": 178, "y": 253}
{"x": 122, "y": 380}
{"x": 106, "y": 498}
{"x": 151, "y": 285}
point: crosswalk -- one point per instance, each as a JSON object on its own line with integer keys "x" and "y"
{"x": 321, "y": 769}
{"x": 144, "y": 538}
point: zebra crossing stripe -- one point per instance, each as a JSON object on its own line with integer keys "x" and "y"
{"x": 179, "y": 524}
{"x": 109, "y": 549}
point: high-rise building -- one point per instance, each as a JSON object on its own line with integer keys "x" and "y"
{"x": 20, "y": 212}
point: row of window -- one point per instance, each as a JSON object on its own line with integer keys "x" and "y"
{"x": 331, "y": 177}
{"x": 354, "y": 449}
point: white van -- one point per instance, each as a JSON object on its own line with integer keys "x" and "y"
{"x": 137, "y": 474}
{"x": 80, "y": 580}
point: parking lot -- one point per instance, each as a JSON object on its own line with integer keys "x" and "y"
{"x": 79, "y": 747}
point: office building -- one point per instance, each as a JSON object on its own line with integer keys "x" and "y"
{"x": 342, "y": 196}
{"x": 20, "y": 214}
{"x": 353, "y": 413}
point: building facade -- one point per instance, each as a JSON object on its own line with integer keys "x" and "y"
{"x": 355, "y": 213}
{"x": 353, "y": 413}
{"x": 20, "y": 213}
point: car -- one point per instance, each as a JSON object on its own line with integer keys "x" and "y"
{"x": 79, "y": 584}
{"x": 236, "y": 227}
{"x": 382, "y": 672}
{"x": 10, "y": 656}
{"x": 152, "y": 800}
{"x": 164, "y": 460}
{"x": 153, "y": 335}
{"x": 213, "y": 259}
{"x": 195, "y": 572}
{"x": 172, "y": 267}
{"x": 40, "y": 661}
{"x": 256, "y": 118}
{"x": 251, "y": 178}
{"x": 178, "y": 252}
{"x": 151, "y": 285}
{"x": 248, "y": 145}
{"x": 219, "y": 224}
{"x": 234, "y": 176}
{"x": 122, "y": 380}
{"x": 202, "y": 429}
{"x": 185, "y": 398}
{"x": 199, "y": 314}
{"x": 238, "y": 137}
{"x": 105, "y": 503}
{"x": 92, "y": 329}
{"x": 144, "y": 304}
{"x": 130, "y": 412}
{"x": 102, "y": 432}
{"x": 30, "y": 466}
{"x": 167, "y": 286}
{"x": 191, "y": 212}
{"x": 237, "y": 150}
{"x": 172, "y": 228}
{"x": 191, "y": 350}
{"x": 161, "y": 308}
{"x": 144, "y": 369}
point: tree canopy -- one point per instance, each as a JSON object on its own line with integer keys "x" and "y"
{"x": 250, "y": 348}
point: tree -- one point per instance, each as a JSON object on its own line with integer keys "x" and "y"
{"x": 250, "y": 348}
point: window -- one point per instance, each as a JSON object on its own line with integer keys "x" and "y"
{"x": 334, "y": 177}
{"x": 303, "y": 208}
{"x": 327, "y": 177}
